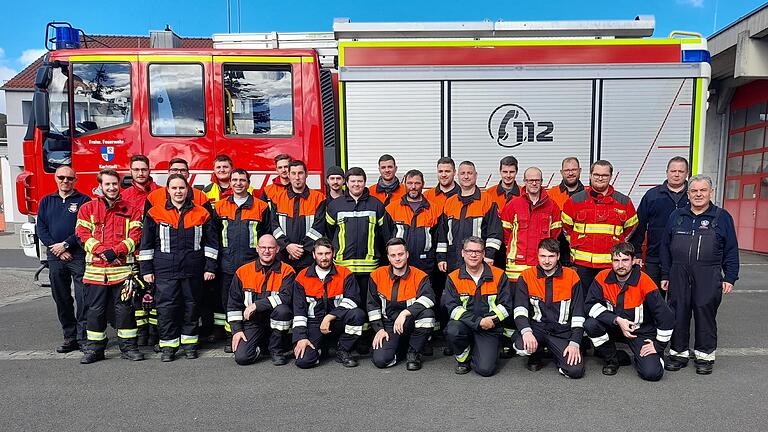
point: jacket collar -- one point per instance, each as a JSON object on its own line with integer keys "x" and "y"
{"x": 469, "y": 198}
{"x": 486, "y": 276}
{"x": 634, "y": 276}
{"x": 363, "y": 197}
{"x": 564, "y": 188}
{"x": 667, "y": 191}
{"x": 312, "y": 271}
{"x": 515, "y": 191}
{"x": 146, "y": 187}
{"x": 249, "y": 200}
{"x": 393, "y": 276}
{"x": 454, "y": 191}
{"x": 424, "y": 203}
{"x": 292, "y": 194}
{"x": 274, "y": 267}
{"x": 542, "y": 275}
{"x": 380, "y": 188}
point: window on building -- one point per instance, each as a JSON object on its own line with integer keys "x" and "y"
{"x": 749, "y": 191}
{"x": 734, "y": 166}
{"x": 738, "y": 118}
{"x": 102, "y": 96}
{"x": 752, "y": 164}
{"x": 176, "y": 99}
{"x": 756, "y": 114}
{"x": 736, "y": 143}
{"x": 764, "y": 188}
{"x": 753, "y": 139}
{"x": 258, "y": 100}
{"x": 732, "y": 189}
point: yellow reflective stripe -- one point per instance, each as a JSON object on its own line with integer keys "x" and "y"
{"x": 127, "y": 333}
{"x": 513, "y": 270}
{"x": 152, "y": 321}
{"x": 590, "y": 257}
{"x": 495, "y": 308}
{"x": 566, "y": 219}
{"x": 262, "y": 59}
{"x": 135, "y": 224}
{"x": 90, "y": 244}
{"x": 371, "y": 237}
{"x": 329, "y": 219}
{"x": 95, "y": 336}
{"x": 140, "y": 313}
{"x": 254, "y": 234}
{"x": 170, "y": 343}
{"x": 141, "y": 322}
{"x": 105, "y": 58}
{"x": 86, "y": 224}
{"x": 342, "y": 242}
{"x": 464, "y": 356}
{"x": 224, "y": 239}
{"x": 130, "y": 244}
{"x": 185, "y": 339}
{"x": 631, "y": 221}
{"x": 227, "y": 327}
{"x": 555, "y": 225}
{"x": 506, "y": 225}
{"x": 512, "y": 253}
{"x": 607, "y": 229}
{"x": 174, "y": 58}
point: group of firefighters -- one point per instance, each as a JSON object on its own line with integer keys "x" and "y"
{"x": 388, "y": 267}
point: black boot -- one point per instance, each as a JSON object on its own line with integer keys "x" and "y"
{"x": 704, "y": 367}
{"x": 132, "y": 354}
{"x": 414, "y": 361}
{"x": 190, "y": 352}
{"x": 345, "y": 358}
{"x": 168, "y": 354}
{"x": 68, "y": 346}
{"x": 462, "y": 368}
{"x": 675, "y": 363}
{"x": 91, "y": 356}
{"x": 228, "y": 344}
{"x": 535, "y": 361}
{"x": 279, "y": 359}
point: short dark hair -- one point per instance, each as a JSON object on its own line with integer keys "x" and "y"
{"x": 678, "y": 159}
{"x": 178, "y": 160}
{"x": 386, "y": 157}
{"x": 508, "y": 161}
{"x": 602, "y": 163}
{"x": 445, "y": 160}
{"x": 623, "y": 248}
{"x": 296, "y": 163}
{"x": 107, "y": 172}
{"x": 415, "y": 173}
{"x": 571, "y": 159}
{"x": 396, "y": 241}
{"x": 241, "y": 171}
{"x": 176, "y": 176}
{"x": 223, "y": 158}
{"x": 550, "y": 245}
{"x": 355, "y": 171}
{"x": 138, "y": 158}
{"x": 472, "y": 239}
{"x": 469, "y": 163}
{"x": 283, "y": 156}
{"x": 323, "y": 242}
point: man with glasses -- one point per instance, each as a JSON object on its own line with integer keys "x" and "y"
{"x": 595, "y": 220}
{"x": 477, "y": 299}
{"x": 569, "y": 186}
{"x": 56, "y": 220}
{"x": 260, "y": 305}
{"x": 159, "y": 196}
{"x": 142, "y": 183}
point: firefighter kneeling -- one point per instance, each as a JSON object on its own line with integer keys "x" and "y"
{"x": 549, "y": 311}
{"x": 260, "y": 300}
{"x": 625, "y": 305}
{"x": 325, "y": 305}
{"x": 400, "y": 302}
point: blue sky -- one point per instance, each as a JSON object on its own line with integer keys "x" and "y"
{"x": 22, "y": 30}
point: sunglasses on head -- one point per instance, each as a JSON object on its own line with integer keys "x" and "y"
{"x": 67, "y": 178}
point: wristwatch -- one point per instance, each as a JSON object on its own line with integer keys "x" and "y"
{"x": 65, "y": 244}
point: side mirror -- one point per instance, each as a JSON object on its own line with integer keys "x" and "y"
{"x": 40, "y": 105}
{"x": 44, "y": 76}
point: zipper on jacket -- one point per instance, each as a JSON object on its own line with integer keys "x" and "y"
{"x": 698, "y": 249}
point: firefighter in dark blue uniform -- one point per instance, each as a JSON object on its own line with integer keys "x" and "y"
{"x": 699, "y": 263}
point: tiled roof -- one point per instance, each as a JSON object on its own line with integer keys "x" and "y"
{"x": 26, "y": 78}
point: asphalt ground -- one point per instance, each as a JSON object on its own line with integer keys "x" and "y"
{"x": 41, "y": 390}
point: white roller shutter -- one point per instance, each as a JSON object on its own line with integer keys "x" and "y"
{"x": 567, "y": 104}
{"x": 645, "y": 122}
{"x": 399, "y": 118}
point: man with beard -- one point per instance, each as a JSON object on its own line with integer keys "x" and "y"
{"x": 281, "y": 181}
{"x": 334, "y": 179}
{"x": 570, "y": 185}
{"x": 388, "y": 188}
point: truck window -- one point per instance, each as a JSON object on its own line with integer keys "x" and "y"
{"x": 176, "y": 99}
{"x": 258, "y": 100}
{"x": 102, "y": 96}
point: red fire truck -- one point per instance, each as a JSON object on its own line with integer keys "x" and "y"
{"x": 478, "y": 91}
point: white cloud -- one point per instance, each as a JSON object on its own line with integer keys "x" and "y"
{"x": 30, "y": 55}
{"x": 692, "y": 3}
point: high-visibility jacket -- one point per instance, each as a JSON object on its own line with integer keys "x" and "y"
{"x": 388, "y": 295}
{"x": 355, "y": 228}
{"x": 387, "y": 197}
{"x": 553, "y": 304}
{"x": 240, "y": 228}
{"x": 595, "y": 222}
{"x": 501, "y": 196}
{"x": 465, "y": 216}
{"x": 136, "y": 195}
{"x": 270, "y": 190}
{"x": 525, "y": 225}
{"x": 101, "y": 227}
{"x": 639, "y": 301}
{"x": 268, "y": 286}
{"x": 178, "y": 243}
{"x": 469, "y": 302}
{"x": 215, "y": 192}
{"x": 418, "y": 229}
{"x": 298, "y": 218}
{"x": 560, "y": 193}
{"x": 159, "y": 196}
{"x": 437, "y": 197}
{"x": 314, "y": 298}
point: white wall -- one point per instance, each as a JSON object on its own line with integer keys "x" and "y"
{"x": 17, "y": 127}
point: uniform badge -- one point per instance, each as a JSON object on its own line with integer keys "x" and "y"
{"x": 72, "y": 208}
{"x": 619, "y": 211}
{"x": 107, "y": 153}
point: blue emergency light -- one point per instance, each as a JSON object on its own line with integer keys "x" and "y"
{"x": 64, "y": 36}
{"x": 696, "y": 56}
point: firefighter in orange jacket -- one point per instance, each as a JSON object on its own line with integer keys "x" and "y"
{"x": 400, "y": 308}
{"x": 298, "y": 218}
{"x": 159, "y": 197}
{"x": 549, "y": 311}
{"x": 477, "y": 299}
{"x": 326, "y": 305}
{"x": 241, "y": 219}
{"x": 624, "y": 305}
{"x": 527, "y": 220}
{"x": 280, "y": 182}
{"x": 179, "y": 248}
{"x": 596, "y": 219}
{"x": 109, "y": 230}
{"x": 469, "y": 213}
{"x": 260, "y": 305}
{"x": 388, "y": 189}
